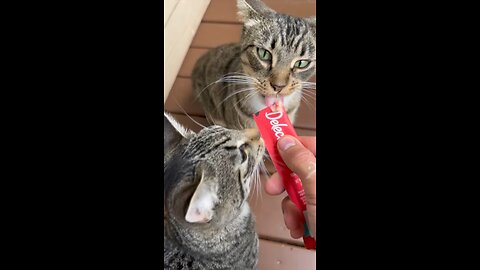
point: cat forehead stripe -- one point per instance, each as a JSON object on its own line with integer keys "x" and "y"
{"x": 196, "y": 149}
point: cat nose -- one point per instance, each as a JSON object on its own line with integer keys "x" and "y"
{"x": 277, "y": 88}
{"x": 252, "y": 134}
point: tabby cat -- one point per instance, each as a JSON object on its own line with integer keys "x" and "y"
{"x": 208, "y": 223}
{"x": 275, "y": 56}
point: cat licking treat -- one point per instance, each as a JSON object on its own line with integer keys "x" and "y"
{"x": 208, "y": 175}
{"x": 276, "y": 55}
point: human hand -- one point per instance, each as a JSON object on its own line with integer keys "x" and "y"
{"x": 300, "y": 156}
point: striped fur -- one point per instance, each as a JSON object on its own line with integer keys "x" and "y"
{"x": 213, "y": 157}
{"x": 231, "y": 81}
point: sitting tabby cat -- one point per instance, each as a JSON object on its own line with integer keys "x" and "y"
{"x": 276, "y": 55}
{"x": 208, "y": 223}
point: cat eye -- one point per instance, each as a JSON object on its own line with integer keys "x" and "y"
{"x": 264, "y": 54}
{"x": 243, "y": 152}
{"x": 302, "y": 63}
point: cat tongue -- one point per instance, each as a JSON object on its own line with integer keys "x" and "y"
{"x": 270, "y": 100}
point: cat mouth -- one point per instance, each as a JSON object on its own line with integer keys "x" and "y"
{"x": 270, "y": 100}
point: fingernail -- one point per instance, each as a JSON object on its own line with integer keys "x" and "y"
{"x": 285, "y": 142}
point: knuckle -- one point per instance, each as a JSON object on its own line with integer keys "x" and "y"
{"x": 302, "y": 156}
{"x": 311, "y": 198}
{"x": 303, "y": 162}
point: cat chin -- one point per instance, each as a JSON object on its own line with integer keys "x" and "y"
{"x": 292, "y": 98}
{"x": 258, "y": 102}
{"x": 270, "y": 100}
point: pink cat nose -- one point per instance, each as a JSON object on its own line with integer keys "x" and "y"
{"x": 277, "y": 88}
{"x": 252, "y": 133}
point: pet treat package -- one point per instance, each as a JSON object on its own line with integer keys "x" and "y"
{"x": 273, "y": 123}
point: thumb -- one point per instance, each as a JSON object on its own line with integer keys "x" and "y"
{"x": 302, "y": 162}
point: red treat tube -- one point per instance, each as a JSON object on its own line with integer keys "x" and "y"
{"x": 273, "y": 123}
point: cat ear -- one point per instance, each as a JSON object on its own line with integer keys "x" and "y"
{"x": 249, "y": 11}
{"x": 312, "y": 21}
{"x": 173, "y": 132}
{"x": 200, "y": 209}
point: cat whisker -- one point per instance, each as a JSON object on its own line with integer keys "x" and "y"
{"x": 311, "y": 95}
{"x": 240, "y": 126}
{"x": 256, "y": 184}
{"x": 309, "y": 98}
{"x": 240, "y": 78}
{"x": 252, "y": 182}
{"x": 310, "y": 106}
{"x": 236, "y": 73}
{"x": 237, "y": 81}
{"x": 250, "y": 95}
{"x": 263, "y": 168}
{"x": 227, "y": 83}
{"x": 235, "y": 93}
{"x": 237, "y": 77}
{"x": 229, "y": 78}
{"x": 205, "y": 88}
{"x": 309, "y": 86}
{"x": 208, "y": 117}
{"x": 311, "y": 91}
{"x": 178, "y": 104}
{"x": 267, "y": 157}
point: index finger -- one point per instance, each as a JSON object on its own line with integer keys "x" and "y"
{"x": 274, "y": 184}
{"x": 301, "y": 161}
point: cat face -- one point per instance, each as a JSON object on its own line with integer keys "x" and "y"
{"x": 209, "y": 174}
{"x": 278, "y": 50}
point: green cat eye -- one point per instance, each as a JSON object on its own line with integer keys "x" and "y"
{"x": 302, "y": 63}
{"x": 264, "y": 54}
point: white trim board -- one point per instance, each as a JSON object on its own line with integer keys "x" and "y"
{"x": 180, "y": 29}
